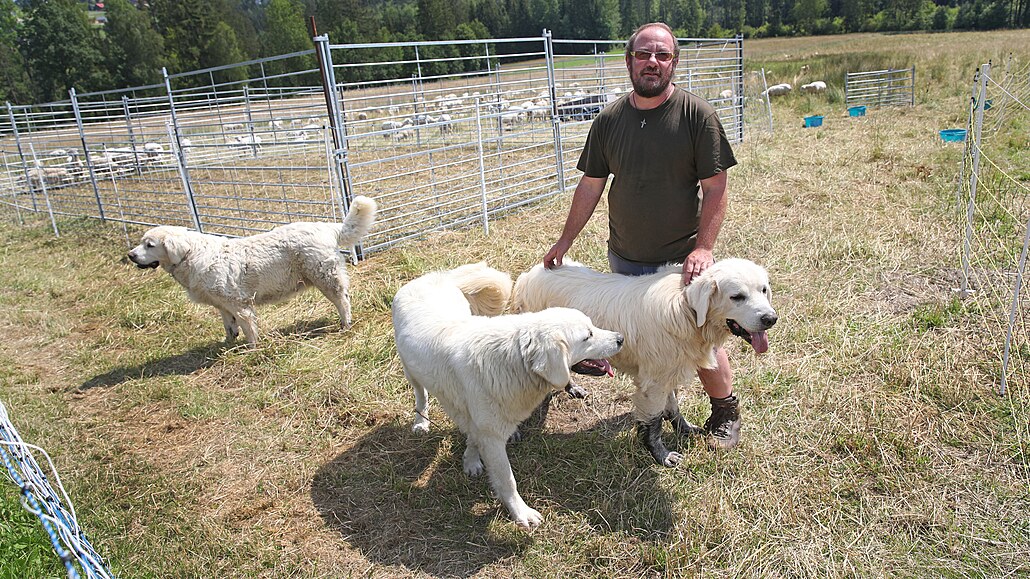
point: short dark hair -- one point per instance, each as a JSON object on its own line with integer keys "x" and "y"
{"x": 663, "y": 26}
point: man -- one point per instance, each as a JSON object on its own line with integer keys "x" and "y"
{"x": 664, "y": 146}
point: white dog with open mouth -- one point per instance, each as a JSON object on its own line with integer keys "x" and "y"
{"x": 488, "y": 371}
{"x": 670, "y": 330}
{"x": 235, "y": 275}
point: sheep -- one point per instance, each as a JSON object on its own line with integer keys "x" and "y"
{"x": 445, "y": 123}
{"x": 726, "y": 94}
{"x": 814, "y": 87}
{"x": 778, "y": 90}
{"x": 248, "y": 140}
{"x": 511, "y": 118}
{"x": 40, "y": 177}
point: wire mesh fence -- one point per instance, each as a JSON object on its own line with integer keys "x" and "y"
{"x": 878, "y": 88}
{"x": 441, "y": 134}
{"x": 994, "y": 201}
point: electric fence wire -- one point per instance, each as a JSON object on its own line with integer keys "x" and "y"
{"x": 55, "y": 511}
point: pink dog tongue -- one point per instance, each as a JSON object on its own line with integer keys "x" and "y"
{"x": 593, "y": 368}
{"x": 760, "y": 341}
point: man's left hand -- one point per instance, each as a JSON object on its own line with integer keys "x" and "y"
{"x": 698, "y": 261}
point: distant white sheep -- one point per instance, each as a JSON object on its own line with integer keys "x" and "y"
{"x": 814, "y": 87}
{"x": 726, "y": 94}
{"x": 446, "y": 126}
{"x": 778, "y": 89}
{"x": 49, "y": 176}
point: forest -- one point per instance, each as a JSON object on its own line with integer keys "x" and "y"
{"x": 50, "y": 46}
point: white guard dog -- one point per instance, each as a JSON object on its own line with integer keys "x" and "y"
{"x": 670, "y": 330}
{"x": 234, "y": 275}
{"x": 488, "y": 373}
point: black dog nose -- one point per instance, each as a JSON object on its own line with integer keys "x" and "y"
{"x": 618, "y": 339}
{"x": 769, "y": 320}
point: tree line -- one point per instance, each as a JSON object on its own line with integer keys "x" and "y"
{"x": 49, "y": 46}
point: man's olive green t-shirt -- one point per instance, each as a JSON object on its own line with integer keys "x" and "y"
{"x": 658, "y": 158}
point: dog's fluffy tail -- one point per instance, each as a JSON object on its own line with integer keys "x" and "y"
{"x": 486, "y": 289}
{"x": 359, "y": 220}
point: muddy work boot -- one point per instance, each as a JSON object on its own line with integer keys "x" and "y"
{"x": 723, "y": 426}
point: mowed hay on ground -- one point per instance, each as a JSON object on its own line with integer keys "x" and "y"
{"x": 874, "y": 442}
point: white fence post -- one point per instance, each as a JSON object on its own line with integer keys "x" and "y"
{"x": 1015, "y": 308}
{"x": 175, "y": 136}
{"x": 82, "y": 135}
{"x": 482, "y": 169}
{"x": 974, "y": 177}
{"x": 559, "y": 154}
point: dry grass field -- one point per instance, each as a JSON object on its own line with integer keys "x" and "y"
{"x": 874, "y": 441}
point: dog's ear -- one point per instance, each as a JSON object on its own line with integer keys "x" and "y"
{"x": 699, "y": 297}
{"x": 176, "y": 247}
{"x": 547, "y": 355}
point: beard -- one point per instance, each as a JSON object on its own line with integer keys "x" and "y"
{"x": 649, "y": 86}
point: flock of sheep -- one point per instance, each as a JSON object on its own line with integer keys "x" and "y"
{"x": 441, "y": 115}
{"x": 61, "y": 167}
{"x": 444, "y": 111}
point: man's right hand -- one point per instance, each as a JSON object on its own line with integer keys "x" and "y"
{"x": 552, "y": 258}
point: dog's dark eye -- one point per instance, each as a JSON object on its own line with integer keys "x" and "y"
{"x": 738, "y": 297}
{"x": 590, "y": 334}
{"x": 150, "y": 244}
{"x": 765, "y": 290}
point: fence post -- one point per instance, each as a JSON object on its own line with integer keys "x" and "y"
{"x": 82, "y": 136}
{"x": 974, "y": 177}
{"x": 46, "y": 194}
{"x": 559, "y": 153}
{"x": 21, "y": 155}
{"x": 132, "y": 136}
{"x": 912, "y": 98}
{"x": 768, "y": 102}
{"x": 738, "y": 88}
{"x": 14, "y": 191}
{"x": 334, "y": 106}
{"x": 482, "y": 168}
{"x": 1015, "y": 308}
{"x": 250, "y": 121}
{"x": 967, "y": 148}
{"x": 184, "y": 170}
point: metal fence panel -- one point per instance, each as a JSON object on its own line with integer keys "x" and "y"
{"x": 441, "y": 134}
{"x": 878, "y": 88}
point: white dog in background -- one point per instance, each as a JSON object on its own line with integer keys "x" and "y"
{"x": 235, "y": 275}
{"x": 488, "y": 371}
{"x": 670, "y": 330}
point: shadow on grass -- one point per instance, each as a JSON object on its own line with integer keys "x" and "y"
{"x": 207, "y": 355}
{"x": 184, "y": 363}
{"x": 402, "y": 499}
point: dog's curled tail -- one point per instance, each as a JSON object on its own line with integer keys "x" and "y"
{"x": 359, "y": 220}
{"x": 486, "y": 289}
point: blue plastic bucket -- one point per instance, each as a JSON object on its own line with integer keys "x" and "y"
{"x": 953, "y": 135}
{"x": 856, "y": 111}
{"x": 814, "y": 121}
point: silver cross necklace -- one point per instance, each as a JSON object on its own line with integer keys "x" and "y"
{"x": 633, "y": 101}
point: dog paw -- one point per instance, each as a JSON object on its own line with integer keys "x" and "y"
{"x": 473, "y": 467}
{"x": 420, "y": 428}
{"x": 528, "y": 518}
{"x": 672, "y": 459}
{"x": 575, "y": 390}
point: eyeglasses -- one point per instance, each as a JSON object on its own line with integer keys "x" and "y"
{"x": 646, "y": 55}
